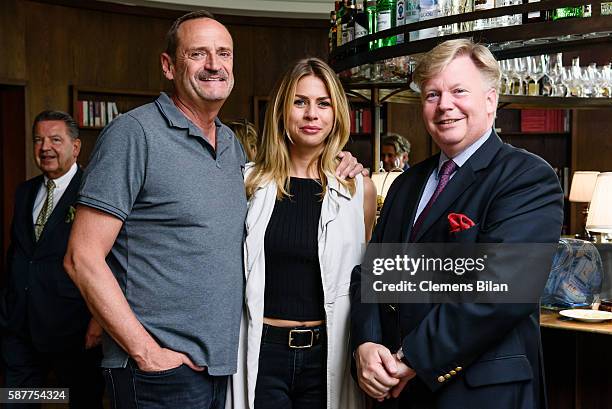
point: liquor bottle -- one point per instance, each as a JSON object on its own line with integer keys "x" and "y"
{"x": 333, "y": 30}
{"x": 412, "y": 16}
{"x": 348, "y": 23}
{"x": 371, "y": 15}
{"x": 568, "y": 12}
{"x": 587, "y": 10}
{"x": 339, "y": 17}
{"x": 428, "y": 9}
{"x": 385, "y": 19}
{"x": 361, "y": 30}
{"x": 465, "y": 6}
{"x": 533, "y": 16}
{"x": 506, "y": 20}
{"x": 361, "y": 24}
{"x": 483, "y": 23}
{"x": 400, "y": 18}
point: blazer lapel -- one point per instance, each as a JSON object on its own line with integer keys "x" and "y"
{"x": 458, "y": 184}
{"x": 411, "y": 195}
{"x": 25, "y": 227}
{"x": 67, "y": 200}
{"x": 465, "y": 176}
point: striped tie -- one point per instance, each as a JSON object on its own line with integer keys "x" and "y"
{"x": 46, "y": 210}
{"x": 447, "y": 169}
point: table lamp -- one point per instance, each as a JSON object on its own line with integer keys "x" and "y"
{"x": 599, "y": 219}
{"x": 583, "y": 184}
{"x": 383, "y": 181}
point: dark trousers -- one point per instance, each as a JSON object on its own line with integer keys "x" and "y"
{"x": 182, "y": 387}
{"x": 290, "y": 378}
{"x": 78, "y": 369}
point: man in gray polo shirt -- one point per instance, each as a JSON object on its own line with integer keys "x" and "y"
{"x": 156, "y": 246}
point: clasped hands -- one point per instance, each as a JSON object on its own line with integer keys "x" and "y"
{"x": 380, "y": 373}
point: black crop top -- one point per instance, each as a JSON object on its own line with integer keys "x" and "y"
{"x": 293, "y": 288}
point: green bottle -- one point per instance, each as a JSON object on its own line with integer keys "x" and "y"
{"x": 370, "y": 8}
{"x": 385, "y": 19}
{"x": 568, "y": 12}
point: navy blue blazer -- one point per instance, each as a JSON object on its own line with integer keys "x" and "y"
{"x": 492, "y": 352}
{"x": 41, "y": 302}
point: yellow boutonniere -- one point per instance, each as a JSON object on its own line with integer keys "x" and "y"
{"x": 70, "y": 214}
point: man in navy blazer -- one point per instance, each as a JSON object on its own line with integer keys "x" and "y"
{"x": 46, "y": 324}
{"x": 459, "y": 355}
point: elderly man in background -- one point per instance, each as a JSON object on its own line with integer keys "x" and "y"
{"x": 48, "y": 325}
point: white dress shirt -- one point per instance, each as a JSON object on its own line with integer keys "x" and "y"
{"x": 61, "y": 184}
{"x": 459, "y": 160}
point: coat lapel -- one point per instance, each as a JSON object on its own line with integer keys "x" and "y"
{"x": 411, "y": 195}
{"x": 67, "y": 200}
{"x": 463, "y": 179}
{"x": 26, "y": 226}
{"x": 331, "y": 203}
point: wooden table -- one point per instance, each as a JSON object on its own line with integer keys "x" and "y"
{"x": 577, "y": 362}
{"x": 552, "y": 319}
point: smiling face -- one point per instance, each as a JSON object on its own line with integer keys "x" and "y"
{"x": 391, "y": 159}
{"x": 311, "y": 118}
{"x": 458, "y": 106}
{"x": 202, "y": 69}
{"x": 54, "y": 150}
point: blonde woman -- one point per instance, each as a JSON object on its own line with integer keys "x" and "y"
{"x": 305, "y": 232}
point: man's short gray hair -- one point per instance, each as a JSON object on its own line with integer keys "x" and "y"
{"x": 398, "y": 142}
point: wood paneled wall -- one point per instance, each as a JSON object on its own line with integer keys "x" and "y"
{"x": 54, "y": 44}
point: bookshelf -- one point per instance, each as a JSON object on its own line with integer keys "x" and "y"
{"x": 94, "y": 107}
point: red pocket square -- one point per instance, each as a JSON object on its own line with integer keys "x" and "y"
{"x": 459, "y": 222}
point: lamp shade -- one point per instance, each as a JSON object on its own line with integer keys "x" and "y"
{"x": 583, "y": 183}
{"x": 383, "y": 181}
{"x": 600, "y": 213}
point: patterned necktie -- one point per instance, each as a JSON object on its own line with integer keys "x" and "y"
{"x": 444, "y": 175}
{"x": 46, "y": 210}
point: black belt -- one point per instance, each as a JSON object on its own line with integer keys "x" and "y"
{"x": 296, "y": 337}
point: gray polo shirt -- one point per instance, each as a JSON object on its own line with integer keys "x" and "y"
{"x": 178, "y": 256}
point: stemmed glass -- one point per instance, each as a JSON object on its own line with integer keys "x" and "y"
{"x": 604, "y": 85}
{"x": 516, "y": 77}
{"x": 506, "y": 83}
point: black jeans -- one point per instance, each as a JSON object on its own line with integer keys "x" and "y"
{"x": 182, "y": 387}
{"x": 291, "y": 378}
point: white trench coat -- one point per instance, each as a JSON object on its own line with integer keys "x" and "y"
{"x": 341, "y": 240}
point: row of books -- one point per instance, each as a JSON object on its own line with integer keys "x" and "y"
{"x": 361, "y": 120}
{"x": 564, "y": 179}
{"x": 545, "y": 120}
{"x": 96, "y": 113}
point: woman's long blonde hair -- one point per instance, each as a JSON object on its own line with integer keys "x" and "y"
{"x": 272, "y": 162}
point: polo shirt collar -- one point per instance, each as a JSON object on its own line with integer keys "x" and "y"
{"x": 177, "y": 119}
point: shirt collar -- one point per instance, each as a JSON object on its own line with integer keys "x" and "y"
{"x": 177, "y": 119}
{"x": 463, "y": 157}
{"x": 63, "y": 181}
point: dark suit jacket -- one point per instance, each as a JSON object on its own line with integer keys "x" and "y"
{"x": 41, "y": 301}
{"x": 512, "y": 196}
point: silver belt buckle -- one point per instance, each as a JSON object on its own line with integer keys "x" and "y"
{"x": 301, "y": 331}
